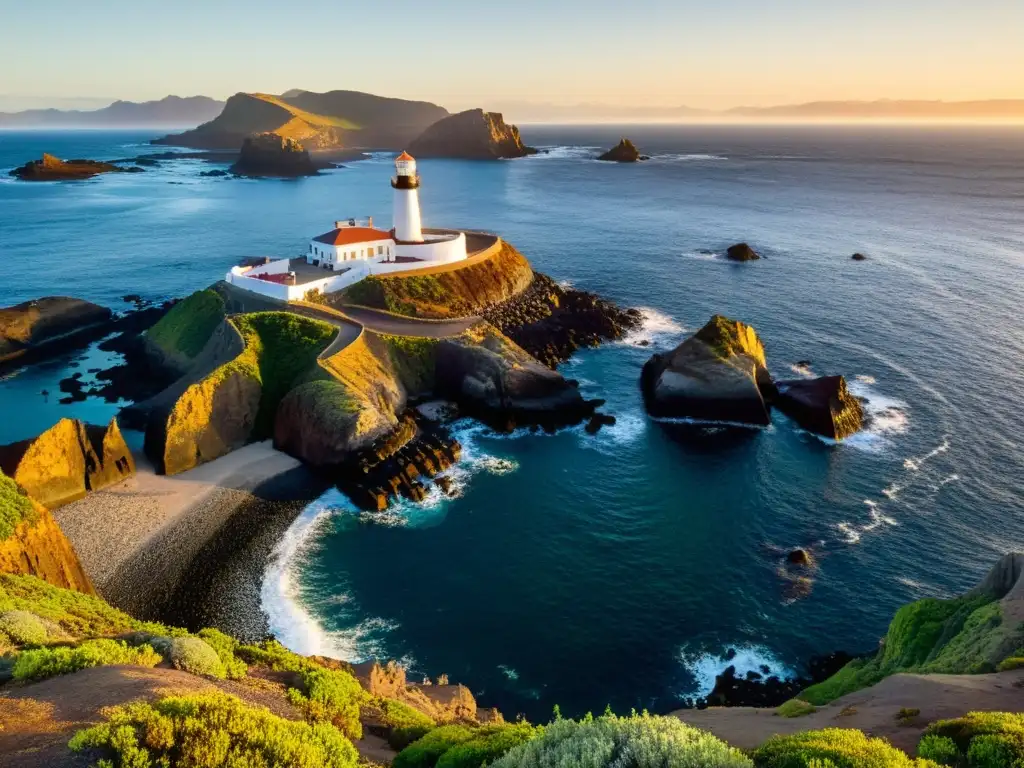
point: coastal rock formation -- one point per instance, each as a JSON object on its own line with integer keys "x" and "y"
{"x": 471, "y": 135}
{"x": 859, "y": 257}
{"x": 270, "y": 154}
{"x": 623, "y": 152}
{"x": 823, "y": 405}
{"x": 718, "y": 374}
{"x": 318, "y": 120}
{"x": 741, "y": 252}
{"x": 28, "y": 326}
{"x": 51, "y": 168}
{"x": 35, "y": 545}
{"x": 501, "y": 384}
{"x": 68, "y": 460}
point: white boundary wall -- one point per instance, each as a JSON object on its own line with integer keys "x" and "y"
{"x": 434, "y": 250}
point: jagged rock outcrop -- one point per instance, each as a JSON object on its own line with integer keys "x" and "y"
{"x": 718, "y": 374}
{"x": 623, "y": 152}
{"x": 37, "y": 547}
{"x": 471, "y": 135}
{"x": 823, "y": 405}
{"x": 741, "y": 252}
{"x": 270, "y": 154}
{"x": 68, "y": 460}
{"x": 52, "y": 168}
{"x": 26, "y": 327}
{"x": 501, "y": 384}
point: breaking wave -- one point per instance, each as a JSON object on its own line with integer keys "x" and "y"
{"x": 705, "y": 666}
{"x": 913, "y": 464}
{"x": 887, "y": 417}
{"x": 658, "y": 329}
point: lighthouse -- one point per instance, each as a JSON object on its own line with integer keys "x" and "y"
{"x": 406, "y": 183}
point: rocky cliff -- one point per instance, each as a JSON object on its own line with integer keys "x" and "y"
{"x": 270, "y": 154}
{"x": 718, "y": 374}
{"x": 623, "y": 152}
{"x": 318, "y": 120}
{"x": 32, "y": 324}
{"x": 822, "y": 405}
{"x": 51, "y": 168}
{"x": 471, "y": 135}
{"x": 67, "y": 461}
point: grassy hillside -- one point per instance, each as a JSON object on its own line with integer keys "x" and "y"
{"x": 458, "y": 292}
{"x": 14, "y": 507}
{"x": 183, "y": 331}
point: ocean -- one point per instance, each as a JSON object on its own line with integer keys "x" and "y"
{"x": 620, "y": 569}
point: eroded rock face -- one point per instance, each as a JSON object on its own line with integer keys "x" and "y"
{"x": 52, "y": 168}
{"x": 32, "y": 324}
{"x": 824, "y": 406}
{"x": 741, "y": 252}
{"x": 39, "y": 548}
{"x": 269, "y": 154}
{"x": 502, "y": 385}
{"x": 623, "y": 152}
{"x": 718, "y": 374}
{"x": 471, "y": 135}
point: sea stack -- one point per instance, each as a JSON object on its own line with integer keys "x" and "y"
{"x": 270, "y": 154}
{"x": 824, "y": 406}
{"x": 623, "y": 152}
{"x": 718, "y": 374}
{"x": 471, "y": 135}
{"x": 741, "y": 252}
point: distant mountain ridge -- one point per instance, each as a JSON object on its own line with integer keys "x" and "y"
{"x": 332, "y": 120}
{"x": 168, "y": 112}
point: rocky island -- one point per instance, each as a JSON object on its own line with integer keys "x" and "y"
{"x": 270, "y": 154}
{"x": 623, "y": 152}
{"x": 52, "y": 168}
{"x": 471, "y": 135}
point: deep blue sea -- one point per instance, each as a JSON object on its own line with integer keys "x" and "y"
{"x": 619, "y": 569}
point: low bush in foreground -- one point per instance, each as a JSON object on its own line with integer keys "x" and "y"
{"x": 225, "y": 647}
{"x": 331, "y": 695}
{"x": 489, "y": 743}
{"x": 194, "y": 656}
{"x": 425, "y": 752}
{"x": 980, "y": 740}
{"x": 23, "y": 627}
{"x": 795, "y": 708}
{"x": 209, "y": 731}
{"x": 14, "y": 507}
{"x": 637, "y": 741}
{"x": 838, "y": 747}
{"x": 405, "y": 723}
{"x": 41, "y": 663}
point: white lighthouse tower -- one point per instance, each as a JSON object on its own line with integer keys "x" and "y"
{"x": 406, "y": 184}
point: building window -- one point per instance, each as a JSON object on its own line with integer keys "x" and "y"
{"x": 380, "y": 249}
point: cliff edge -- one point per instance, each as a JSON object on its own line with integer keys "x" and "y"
{"x": 471, "y": 135}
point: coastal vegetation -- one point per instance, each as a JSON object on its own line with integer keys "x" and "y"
{"x": 833, "y": 748}
{"x": 41, "y": 663}
{"x": 185, "y": 329}
{"x": 15, "y": 507}
{"x": 977, "y": 740}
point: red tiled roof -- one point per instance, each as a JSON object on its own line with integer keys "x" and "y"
{"x": 349, "y": 235}
{"x": 404, "y": 156}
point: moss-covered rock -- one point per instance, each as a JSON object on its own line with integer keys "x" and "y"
{"x": 182, "y": 333}
{"x": 718, "y": 374}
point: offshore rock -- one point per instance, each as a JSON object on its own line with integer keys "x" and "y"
{"x": 741, "y": 252}
{"x": 471, "y": 135}
{"x": 824, "y": 406}
{"x": 270, "y": 154}
{"x": 51, "y": 168}
{"x": 718, "y": 374}
{"x": 30, "y": 325}
{"x": 623, "y": 152}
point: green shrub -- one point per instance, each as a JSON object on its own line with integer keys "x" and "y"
{"x": 23, "y": 627}
{"x": 15, "y": 507}
{"x": 225, "y": 646}
{"x": 488, "y": 744}
{"x": 405, "y": 723}
{"x": 939, "y": 749}
{"x": 189, "y": 324}
{"x": 993, "y": 751}
{"x": 1014, "y": 661}
{"x": 194, "y": 656}
{"x": 795, "y": 708}
{"x": 42, "y": 663}
{"x": 426, "y": 751}
{"x": 322, "y": 694}
{"x": 637, "y": 741}
{"x": 963, "y": 732}
{"x": 845, "y": 748}
{"x": 210, "y": 731}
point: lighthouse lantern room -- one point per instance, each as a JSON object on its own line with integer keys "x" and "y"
{"x": 406, "y": 184}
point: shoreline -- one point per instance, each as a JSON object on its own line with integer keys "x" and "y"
{"x": 138, "y": 540}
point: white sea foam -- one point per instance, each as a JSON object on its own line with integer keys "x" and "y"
{"x": 945, "y": 481}
{"x": 803, "y": 371}
{"x": 508, "y": 672}
{"x": 706, "y": 666}
{"x": 853, "y": 532}
{"x": 687, "y": 158}
{"x": 702, "y": 255}
{"x": 564, "y": 153}
{"x": 659, "y": 329}
{"x": 913, "y": 464}
{"x": 887, "y": 417}
{"x": 627, "y": 429}
{"x": 868, "y": 380}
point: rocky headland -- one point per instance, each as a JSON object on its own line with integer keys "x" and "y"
{"x": 623, "y": 152}
{"x": 52, "y": 168}
{"x": 471, "y": 135}
{"x": 270, "y": 154}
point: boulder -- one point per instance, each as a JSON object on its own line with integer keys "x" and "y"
{"x": 718, "y": 374}
{"x": 859, "y": 257}
{"x": 51, "y": 168}
{"x": 823, "y": 405}
{"x": 623, "y": 152}
{"x": 471, "y": 135}
{"x": 30, "y": 325}
{"x": 270, "y": 154}
{"x": 741, "y": 252}
{"x": 493, "y": 379}
{"x": 800, "y": 557}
